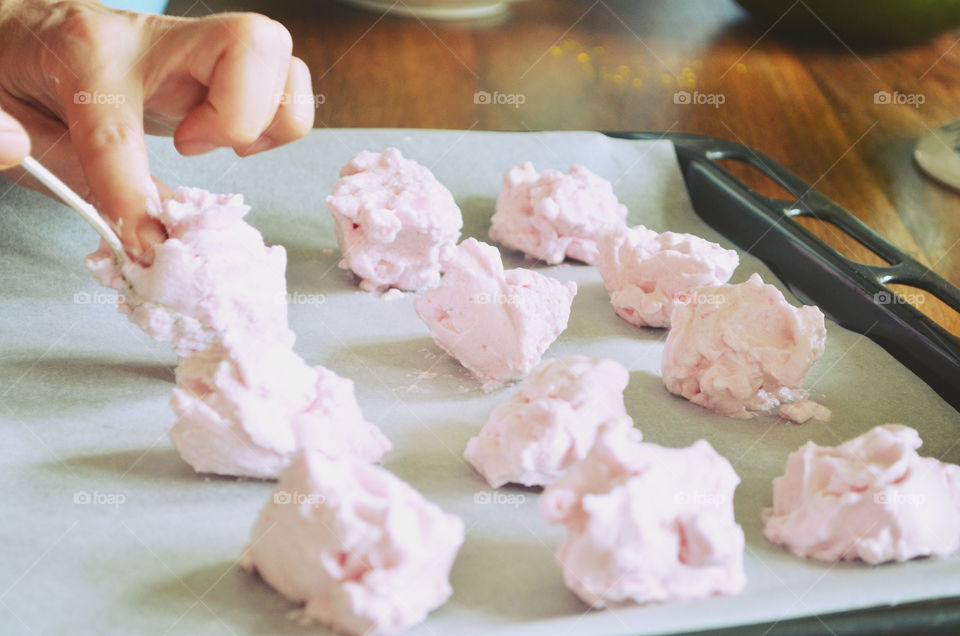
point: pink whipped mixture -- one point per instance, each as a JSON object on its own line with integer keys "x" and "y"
{"x": 364, "y": 552}
{"x": 647, "y": 274}
{"x": 551, "y": 215}
{"x": 647, "y": 523}
{"x": 496, "y": 323}
{"x": 211, "y": 276}
{"x": 741, "y": 348}
{"x": 393, "y": 221}
{"x": 872, "y": 498}
{"x": 551, "y": 422}
{"x": 247, "y": 408}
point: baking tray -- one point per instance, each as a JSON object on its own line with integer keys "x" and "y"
{"x": 84, "y": 413}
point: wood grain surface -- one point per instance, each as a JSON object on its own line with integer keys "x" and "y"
{"x": 619, "y": 64}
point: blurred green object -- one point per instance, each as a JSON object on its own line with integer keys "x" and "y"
{"x": 871, "y": 22}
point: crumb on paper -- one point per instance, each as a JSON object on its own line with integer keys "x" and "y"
{"x": 802, "y": 411}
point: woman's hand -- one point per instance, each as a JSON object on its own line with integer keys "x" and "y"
{"x": 86, "y": 82}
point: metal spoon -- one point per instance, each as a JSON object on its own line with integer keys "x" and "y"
{"x": 84, "y": 209}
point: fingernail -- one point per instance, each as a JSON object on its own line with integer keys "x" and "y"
{"x": 134, "y": 252}
{"x": 195, "y": 147}
{"x": 258, "y": 146}
{"x": 151, "y": 232}
{"x": 154, "y": 207}
{"x": 15, "y": 146}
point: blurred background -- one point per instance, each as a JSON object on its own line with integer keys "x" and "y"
{"x": 839, "y": 92}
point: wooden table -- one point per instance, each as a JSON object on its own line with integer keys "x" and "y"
{"x": 617, "y": 65}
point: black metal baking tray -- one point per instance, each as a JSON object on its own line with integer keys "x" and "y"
{"x": 851, "y": 294}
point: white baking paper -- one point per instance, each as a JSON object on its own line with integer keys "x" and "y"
{"x": 105, "y": 531}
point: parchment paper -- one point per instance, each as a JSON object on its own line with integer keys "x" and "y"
{"x": 105, "y": 530}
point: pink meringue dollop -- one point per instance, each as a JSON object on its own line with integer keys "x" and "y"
{"x": 496, "y": 323}
{"x": 393, "y": 221}
{"x": 551, "y": 215}
{"x": 365, "y": 552}
{"x": 647, "y": 274}
{"x": 247, "y": 408}
{"x": 212, "y": 275}
{"x": 647, "y": 523}
{"x": 740, "y": 348}
{"x": 551, "y": 422}
{"x": 872, "y": 498}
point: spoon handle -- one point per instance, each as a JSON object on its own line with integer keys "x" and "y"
{"x": 75, "y": 201}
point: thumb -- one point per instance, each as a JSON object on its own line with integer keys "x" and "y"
{"x": 106, "y": 128}
{"x": 14, "y": 142}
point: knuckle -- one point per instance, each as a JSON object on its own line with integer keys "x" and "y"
{"x": 107, "y": 136}
{"x": 262, "y": 33}
{"x": 80, "y": 23}
{"x": 80, "y": 41}
{"x": 73, "y": 41}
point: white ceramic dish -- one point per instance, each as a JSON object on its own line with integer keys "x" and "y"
{"x": 436, "y": 9}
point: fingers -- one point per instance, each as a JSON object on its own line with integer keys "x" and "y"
{"x": 52, "y": 146}
{"x": 106, "y": 128}
{"x": 294, "y": 117}
{"x": 244, "y": 60}
{"x": 14, "y": 142}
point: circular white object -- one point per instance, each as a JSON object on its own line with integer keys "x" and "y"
{"x": 434, "y": 9}
{"x": 938, "y": 154}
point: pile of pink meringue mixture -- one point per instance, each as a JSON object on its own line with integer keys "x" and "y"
{"x": 871, "y": 498}
{"x": 211, "y": 276}
{"x": 246, "y": 408}
{"x": 496, "y": 323}
{"x": 736, "y": 349}
{"x": 647, "y": 274}
{"x": 393, "y": 221}
{"x": 647, "y": 523}
{"x": 551, "y": 422}
{"x": 364, "y": 551}
{"x": 353, "y": 537}
{"x": 245, "y": 402}
{"x": 553, "y": 216}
